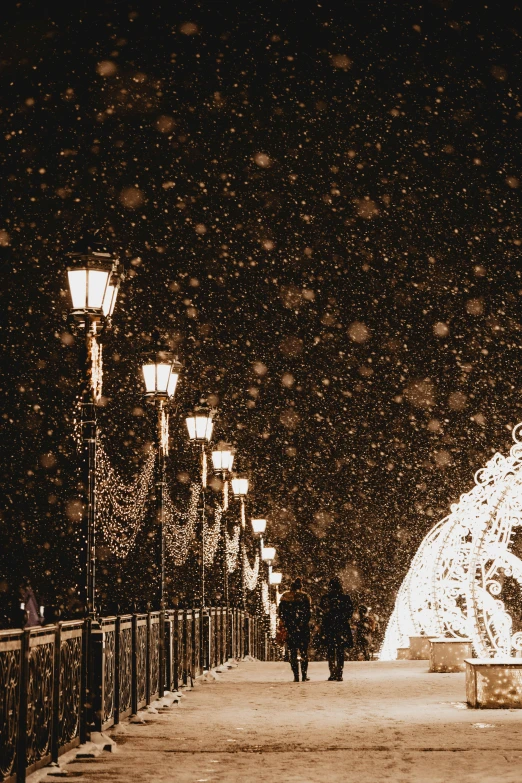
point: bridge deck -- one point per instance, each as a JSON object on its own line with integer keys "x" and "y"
{"x": 386, "y": 721}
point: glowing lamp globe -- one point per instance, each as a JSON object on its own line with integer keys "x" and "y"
{"x": 276, "y": 577}
{"x": 223, "y": 458}
{"x": 200, "y": 425}
{"x": 268, "y": 554}
{"x": 240, "y": 486}
{"x": 161, "y": 376}
{"x": 258, "y": 526}
{"x": 94, "y": 277}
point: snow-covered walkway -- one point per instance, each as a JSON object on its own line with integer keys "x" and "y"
{"x": 386, "y": 722}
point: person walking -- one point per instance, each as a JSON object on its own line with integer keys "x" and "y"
{"x": 294, "y": 611}
{"x": 335, "y": 632}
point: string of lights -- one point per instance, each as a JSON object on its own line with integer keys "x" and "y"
{"x": 96, "y": 369}
{"x": 164, "y": 432}
{"x": 265, "y": 597}
{"x": 232, "y": 549}
{"x": 455, "y": 583}
{"x": 250, "y": 573}
{"x": 211, "y": 537}
{"x": 179, "y": 534}
{"x": 273, "y": 619}
{"x": 121, "y": 507}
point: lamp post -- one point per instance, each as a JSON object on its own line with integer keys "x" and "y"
{"x": 200, "y": 425}
{"x": 161, "y": 373}
{"x": 240, "y": 490}
{"x": 258, "y": 529}
{"x": 222, "y": 461}
{"x": 276, "y": 577}
{"x": 94, "y": 276}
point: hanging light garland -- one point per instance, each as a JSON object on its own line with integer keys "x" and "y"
{"x": 211, "y": 537}
{"x": 121, "y": 507}
{"x": 265, "y": 597}
{"x": 96, "y": 370}
{"x": 250, "y": 573}
{"x": 273, "y": 619}
{"x": 179, "y": 534}
{"x": 455, "y": 582}
{"x": 232, "y": 549}
{"x": 164, "y": 432}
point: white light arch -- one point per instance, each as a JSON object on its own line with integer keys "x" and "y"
{"x": 454, "y": 585}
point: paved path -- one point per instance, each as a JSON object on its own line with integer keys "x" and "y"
{"x": 386, "y": 722}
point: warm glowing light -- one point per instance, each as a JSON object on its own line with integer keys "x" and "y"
{"x": 223, "y": 458}
{"x": 276, "y": 577}
{"x": 259, "y": 526}
{"x": 161, "y": 376}
{"x": 268, "y": 554}
{"x": 200, "y": 425}
{"x": 454, "y": 586}
{"x": 239, "y": 486}
{"x": 94, "y": 279}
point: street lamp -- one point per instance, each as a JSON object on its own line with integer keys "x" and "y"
{"x": 259, "y": 527}
{"x": 240, "y": 490}
{"x": 161, "y": 372}
{"x": 275, "y": 578}
{"x": 93, "y": 275}
{"x": 222, "y": 460}
{"x": 94, "y": 279}
{"x": 200, "y": 425}
{"x": 268, "y": 554}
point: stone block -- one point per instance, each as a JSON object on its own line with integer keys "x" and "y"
{"x": 419, "y": 648}
{"x": 449, "y": 655}
{"x": 494, "y": 683}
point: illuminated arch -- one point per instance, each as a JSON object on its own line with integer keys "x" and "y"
{"x": 454, "y": 585}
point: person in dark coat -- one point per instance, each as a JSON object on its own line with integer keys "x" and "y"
{"x": 335, "y": 632}
{"x": 294, "y": 611}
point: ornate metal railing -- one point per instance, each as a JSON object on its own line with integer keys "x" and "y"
{"x": 41, "y": 674}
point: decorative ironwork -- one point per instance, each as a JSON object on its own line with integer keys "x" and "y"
{"x": 50, "y": 710}
{"x": 125, "y": 669}
{"x": 70, "y": 688}
{"x": 39, "y": 699}
{"x": 10, "y": 660}
{"x": 109, "y": 673}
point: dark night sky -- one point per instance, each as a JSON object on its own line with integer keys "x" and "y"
{"x": 321, "y": 209}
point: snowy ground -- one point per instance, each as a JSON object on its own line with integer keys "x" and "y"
{"x": 386, "y": 722}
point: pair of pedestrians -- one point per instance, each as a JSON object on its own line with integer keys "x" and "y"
{"x": 334, "y": 634}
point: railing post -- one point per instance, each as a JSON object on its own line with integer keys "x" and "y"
{"x": 117, "y": 662}
{"x": 21, "y": 751}
{"x": 184, "y": 632}
{"x": 134, "y": 664}
{"x": 175, "y": 650}
{"x": 97, "y": 669}
{"x": 167, "y": 680}
{"x": 56, "y": 693}
{"x": 147, "y": 667}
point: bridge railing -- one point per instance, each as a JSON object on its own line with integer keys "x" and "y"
{"x": 41, "y": 673}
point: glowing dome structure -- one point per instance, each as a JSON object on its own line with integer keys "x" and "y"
{"x": 465, "y": 568}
